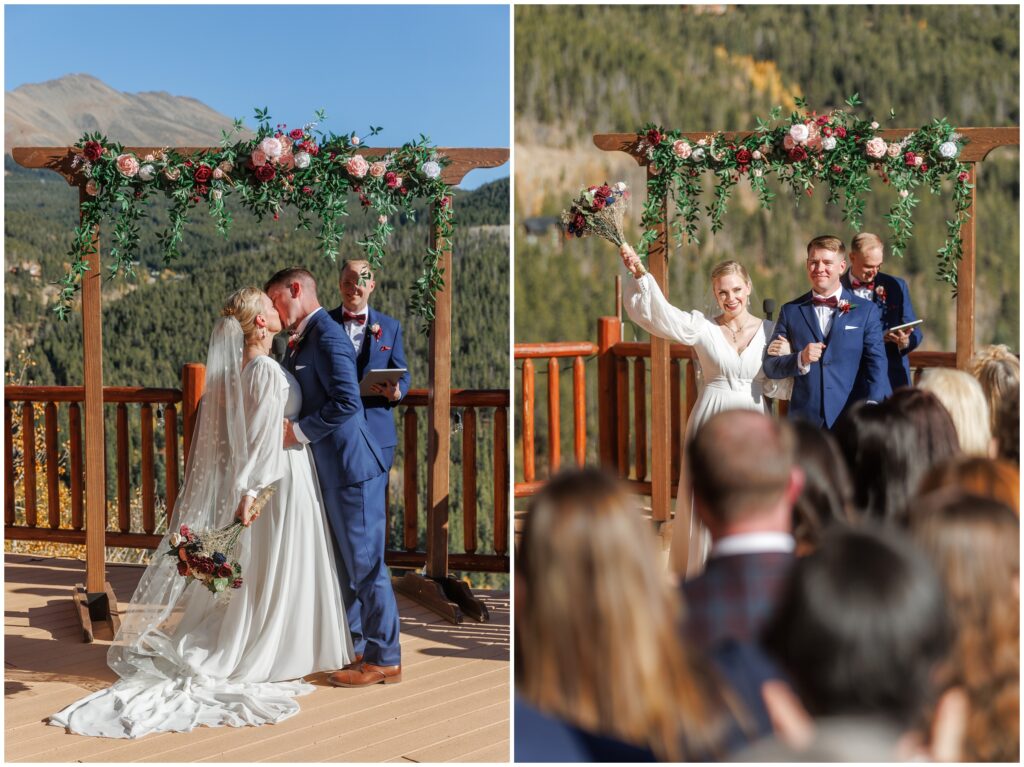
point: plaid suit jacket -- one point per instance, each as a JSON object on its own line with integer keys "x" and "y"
{"x": 734, "y": 596}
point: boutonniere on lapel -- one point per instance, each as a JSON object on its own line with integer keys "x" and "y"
{"x": 376, "y": 331}
{"x": 293, "y": 342}
{"x": 880, "y": 293}
{"x": 845, "y": 306}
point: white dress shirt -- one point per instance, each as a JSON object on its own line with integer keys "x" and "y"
{"x": 299, "y": 330}
{"x": 356, "y": 331}
{"x": 825, "y": 315}
{"x": 753, "y": 543}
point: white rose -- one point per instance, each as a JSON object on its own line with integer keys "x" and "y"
{"x": 431, "y": 169}
{"x": 302, "y": 160}
{"x": 758, "y": 173}
{"x": 904, "y": 194}
{"x": 828, "y": 143}
{"x": 799, "y": 133}
{"x": 620, "y": 186}
{"x": 948, "y": 149}
{"x": 355, "y": 140}
{"x": 698, "y": 154}
{"x": 216, "y": 194}
{"x": 382, "y": 219}
{"x": 702, "y": 142}
{"x": 757, "y": 154}
{"x": 918, "y": 160}
{"x": 874, "y": 126}
{"x": 147, "y": 173}
{"x": 271, "y": 147}
{"x": 176, "y": 539}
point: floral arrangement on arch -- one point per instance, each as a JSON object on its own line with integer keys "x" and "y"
{"x": 312, "y": 171}
{"x": 837, "y": 148}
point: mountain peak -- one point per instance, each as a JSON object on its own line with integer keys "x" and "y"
{"x": 57, "y": 113}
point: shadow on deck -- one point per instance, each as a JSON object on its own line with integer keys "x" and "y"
{"x": 452, "y": 705}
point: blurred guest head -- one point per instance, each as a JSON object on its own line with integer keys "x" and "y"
{"x": 974, "y": 543}
{"x": 998, "y": 371}
{"x": 862, "y": 628}
{"x": 743, "y": 470}
{"x": 988, "y": 477}
{"x": 597, "y": 623}
{"x": 827, "y": 496}
{"x": 1007, "y": 433}
{"x": 889, "y": 446}
{"x": 962, "y": 396}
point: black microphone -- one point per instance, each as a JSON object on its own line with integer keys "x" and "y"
{"x": 769, "y": 307}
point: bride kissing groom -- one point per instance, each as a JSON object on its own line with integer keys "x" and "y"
{"x": 316, "y": 595}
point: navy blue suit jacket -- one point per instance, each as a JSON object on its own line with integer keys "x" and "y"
{"x": 324, "y": 364}
{"x": 854, "y": 350}
{"x": 380, "y": 355}
{"x": 892, "y": 297}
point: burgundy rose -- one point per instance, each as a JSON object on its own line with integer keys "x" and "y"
{"x": 202, "y": 190}
{"x": 826, "y": 131}
{"x": 924, "y": 167}
{"x": 654, "y": 136}
{"x": 265, "y": 173}
{"x": 836, "y": 169}
{"x": 391, "y": 179}
{"x": 744, "y": 156}
{"x": 188, "y": 163}
{"x": 296, "y": 134}
{"x": 236, "y": 583}
{"x": 307, "y": 190}
{"x": 403, "y": 191}
{"x": 797, "y": 153}
{"x": 446, "y": 201}
{"x": 203, "y": 174}
{"x": 182, "y": 568}
{"x": 909, "y": 159}
{"x": 93, "y": 150}
{"x": 579, "y": 222}
{"x": 364, "y": 200}
{"x": 225, "y": 571}
{"x": 599, "y": 202}
{"x": 841, "y": 132}
{"x": 963, "y": 176}
{"x": 822, "y": 120}
{"x": 603, "y": 191}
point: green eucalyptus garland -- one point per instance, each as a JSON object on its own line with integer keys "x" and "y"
{"x": 312, "y": 171}
{"x": 838, "y": 149}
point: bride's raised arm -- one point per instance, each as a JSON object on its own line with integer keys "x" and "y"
{"x": 647, "y": 307}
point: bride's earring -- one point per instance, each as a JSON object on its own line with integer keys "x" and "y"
{"x": 263, "y": 333}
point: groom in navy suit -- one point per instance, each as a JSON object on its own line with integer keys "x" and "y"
{"x": 377, "y": 340}
{"x": 351, "y": 470}
{"x": 836, "y": 339}
{"x": 892, "y": 297}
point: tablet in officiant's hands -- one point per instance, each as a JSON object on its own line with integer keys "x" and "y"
{"x": 380, "y": 376}
{"x": 905, "y": 326}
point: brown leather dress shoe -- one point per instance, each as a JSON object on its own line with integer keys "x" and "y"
{"x": 354, "y": 662}
{"x": 366, "y": 674}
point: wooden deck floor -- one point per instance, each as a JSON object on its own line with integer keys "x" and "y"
{"x": 452, "y": 705}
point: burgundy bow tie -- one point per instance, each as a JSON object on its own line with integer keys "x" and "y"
{"x": 865, "y": 285}
{"x": 831, "y": 302}
{"x": 347, "y": 316}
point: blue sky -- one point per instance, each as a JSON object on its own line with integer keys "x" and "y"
{"x": 438, "y": 70}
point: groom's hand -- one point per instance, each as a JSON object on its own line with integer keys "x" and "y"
{"x": 289, "y": 435}
{"x": 811, "y": 353}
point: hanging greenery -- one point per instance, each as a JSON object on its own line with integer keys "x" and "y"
{"x": 837, "y": 149}
{"x": 312, "y": 171}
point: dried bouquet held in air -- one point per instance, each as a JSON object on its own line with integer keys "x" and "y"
{"x": 599, "y": 210}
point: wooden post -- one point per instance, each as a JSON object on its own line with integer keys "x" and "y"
{"x": 608, "y": 332}
{"x": 439, "y": 417}
{"x": 661, "y": 405}
{"x": 193, "y": 384}
{"x": 965, "y": 283}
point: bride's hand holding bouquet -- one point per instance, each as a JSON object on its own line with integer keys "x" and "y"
{"x": 631, "y": 260}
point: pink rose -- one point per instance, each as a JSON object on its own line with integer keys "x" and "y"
{"x": 378, "y": 169}
{"x": 258, "y": 158}
{"x": 788, "y": 142}
{"x": 392, "y": 180}
{"x": 218, "y": 173}
{"x": 682, "y": 149}
{"x": 172, "y": 174}
{"x": 893, "y": 150}
{"x": 127, "y": 165}
{"x": 876, "y": 148}
{"x": 382, "y": 220}
{"x": 814, "y": 143}
{"x": 357, "y": 166}
{"x": 286, "y": 144}
{"x": 91, "y": 188}
{"x": 271, "y": 146}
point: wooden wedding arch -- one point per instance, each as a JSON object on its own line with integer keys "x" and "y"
{"x": 448, "y": 596}
{"x": 980, "y": 142}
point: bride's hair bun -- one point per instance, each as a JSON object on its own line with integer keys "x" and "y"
{"x": 244, "y": 305}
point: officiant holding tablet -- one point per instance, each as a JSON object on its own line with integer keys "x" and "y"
{"x": 892, "y": 297}
{"x": 377, "y": 339}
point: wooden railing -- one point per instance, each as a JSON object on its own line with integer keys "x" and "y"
{"x": 623, "y": 417}
{"x": 138, "y": 425}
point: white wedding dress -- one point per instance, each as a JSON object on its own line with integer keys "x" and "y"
{"x": 731, "y": 382}
{"x": 187, "y": 658}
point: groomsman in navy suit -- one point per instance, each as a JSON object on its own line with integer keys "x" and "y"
{"x": 351, "y": 472}
{"x": 892, "y": 297}
{"x": 377, "y": 339}
{"x": 836, "y": 339}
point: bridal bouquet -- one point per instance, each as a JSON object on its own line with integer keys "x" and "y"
{"x": 204, "y": 556}
{"x": 599, "y": 210}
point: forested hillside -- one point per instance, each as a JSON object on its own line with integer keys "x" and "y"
{"x": 599, "y": 69}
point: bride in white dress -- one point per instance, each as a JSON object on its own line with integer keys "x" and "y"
{"x": 729, "y": 347}
{"x": 186, "y": 657}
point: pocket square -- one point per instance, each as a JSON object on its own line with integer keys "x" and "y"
{"x": 385, "y": 348}
{"x": 300, "y": 367}
{"x": 851, "y": 327}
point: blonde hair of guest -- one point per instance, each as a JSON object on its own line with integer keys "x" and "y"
{"x": 998, "y": 371}
{"x": 962, "y": 395}
{"x": 598, "y": 639}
